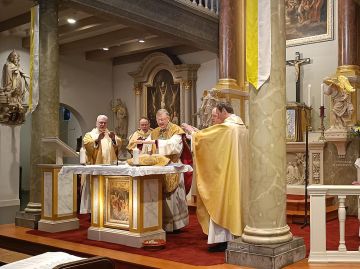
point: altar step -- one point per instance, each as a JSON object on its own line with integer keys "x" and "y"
{"x": 295, "y": 208}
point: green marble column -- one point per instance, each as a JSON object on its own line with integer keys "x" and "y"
{"x": 45, "y": 119}
{"x": 267, "y": 212}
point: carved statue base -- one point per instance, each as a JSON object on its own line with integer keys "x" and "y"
{"x": 338, "y": 136}
{"x": 11, "y": 113}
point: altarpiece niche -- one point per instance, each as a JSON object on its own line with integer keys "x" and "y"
{"x": 163, "y": 93}
{"x": 161, "y": 82}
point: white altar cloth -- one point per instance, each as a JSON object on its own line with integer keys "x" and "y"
{"x": 124, "y": 170}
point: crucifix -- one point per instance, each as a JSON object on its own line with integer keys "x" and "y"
{"x": 297, "y": 62}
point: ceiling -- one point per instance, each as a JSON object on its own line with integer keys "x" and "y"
{"x": 92, "y": 32}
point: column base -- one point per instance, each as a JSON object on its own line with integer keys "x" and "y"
{"x": 27, "y": 220}
{"x": 124, "y": 237}
{"x": 265, "y": 256}
{"x": 54, "y": 226}
{"x": 267, "y": 236}
{"x": 33, "y": 208}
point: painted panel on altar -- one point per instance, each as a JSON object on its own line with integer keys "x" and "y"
{"x": 163, "y": 93}
{"x": 117, "y": 200}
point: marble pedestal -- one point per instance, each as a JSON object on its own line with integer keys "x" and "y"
{"x": 123, "y": 237}
{"x": 265, "y": 256}
{"x": 59, "y": 201}
{"x": 27, "y": 220}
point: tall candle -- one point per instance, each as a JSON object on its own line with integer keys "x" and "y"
{"x": 308, "y": 95}
{"x": 322, "y": 94}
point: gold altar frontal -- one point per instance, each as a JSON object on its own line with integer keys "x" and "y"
{"x": 126, "y": 210}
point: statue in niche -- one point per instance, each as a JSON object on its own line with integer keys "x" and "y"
{"x": 340, "y": 91}
{"x": 163, "y": 93}
{"x": 121, "y": 116}
{"x": 209, "y": 101}
{"x": 14, "y": 85}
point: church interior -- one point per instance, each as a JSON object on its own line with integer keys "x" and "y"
{"x": 128, "y": 59}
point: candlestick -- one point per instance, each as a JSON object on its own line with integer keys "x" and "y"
{"x": 322, "y": 94}
{"x": 309, "y": 97}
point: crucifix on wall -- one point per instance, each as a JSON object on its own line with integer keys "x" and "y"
{"x": 297, "y": 62}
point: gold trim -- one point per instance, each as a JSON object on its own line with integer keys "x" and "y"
{"x": 75, "y": 205}
{"x": 141, "y": 206}
{"x": 101, "y": 200}
{"x": 160, "y": 201}
{"x": 92, "y": 192}
{"x": 227, "y": 83}
{"x": 42, "y": 192}
{"x": 55, "y": 193}
{"x": 348, "y": 70}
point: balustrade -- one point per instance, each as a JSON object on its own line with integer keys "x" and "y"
{"x": 318, "y": 251}
{"x": 208, "y": 6}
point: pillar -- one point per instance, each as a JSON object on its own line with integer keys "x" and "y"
{"x": 45, "y": 119}
{"x": 229, "y": 51}
{"x": 348, "y": 43}
{"x": 267, "y": 212}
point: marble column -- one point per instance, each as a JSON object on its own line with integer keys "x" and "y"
{"x": 348, "y": 43}
{"x": 267, "y": 207}
{"x": 347, "y": 40}
{"x": 138, "y": 91}
{"x": 45, "y": 119}
{"x": 227, "y": 46}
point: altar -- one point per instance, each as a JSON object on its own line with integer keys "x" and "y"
{"x": 126, "y": 201}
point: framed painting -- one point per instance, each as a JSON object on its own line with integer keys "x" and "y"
{"x": 163, "y": 93}
{"x": 117, "y": 197}
{"x": 308, "y": 21}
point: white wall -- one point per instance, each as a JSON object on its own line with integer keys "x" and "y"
{"x": 85, "y": 88}
{"x": 123, "y": 87}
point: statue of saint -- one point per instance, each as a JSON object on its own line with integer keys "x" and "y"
{"x": 14, "y": 84}
{"x": 340, "y": 91}
{"x": 121, "y": 116}
{"x": 209, "y": 101}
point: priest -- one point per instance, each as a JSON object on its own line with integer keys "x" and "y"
{"x": 102, "y": 147}
{"x": 169, "y": 139}
{"x": 140, "y": 134}
{"x": 221, "y": 160}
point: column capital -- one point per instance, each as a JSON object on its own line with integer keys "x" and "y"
{"x": 138, "y": 89}
{"x": 187, "y": 85}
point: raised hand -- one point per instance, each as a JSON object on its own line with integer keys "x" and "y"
{"x": 112, "y": 135}
{"x": 101, "y": 136}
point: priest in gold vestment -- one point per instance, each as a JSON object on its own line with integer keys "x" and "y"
{"x": 168, "y": 137}
{"x": 102, "y": 147}
{"x": 221, "y": 160}
{"x": 140, "y": 134}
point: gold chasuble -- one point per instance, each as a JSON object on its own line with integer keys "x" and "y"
{"x": 138, "y": 135}
{"x": 221, "y": 157}
{"x": 171, "y": 180}
{"x": 105, "y": 152}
